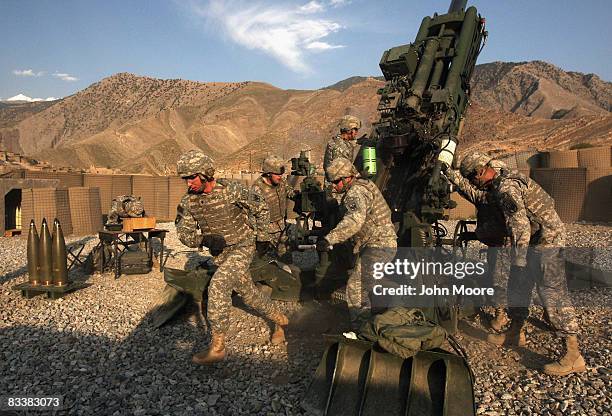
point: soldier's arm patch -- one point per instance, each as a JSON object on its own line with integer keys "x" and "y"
{"x": 351, "y": 204}
{"x": 508, "y": 204}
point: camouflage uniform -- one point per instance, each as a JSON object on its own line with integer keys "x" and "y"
{"x": 276, "y": 197}
{"x": 490, "y": 230}
{"x": 537, "y": 234}
{"x": 125, "y": 206}
{"x": 338, "y": 147}
{"x": 367, "y": 223}
{"x": 222, "y": 212}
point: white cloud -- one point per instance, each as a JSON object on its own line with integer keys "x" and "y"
{"x": 312, "y": 7}
{"x": 322, "y": 46}
{"x": 65, "y": 77}
{"x": 338, "y": 3}
{"x": 27, "y": 73}
{"x": 284, "y": 32}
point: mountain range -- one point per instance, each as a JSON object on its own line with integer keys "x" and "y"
{"x": 137, "y": 124}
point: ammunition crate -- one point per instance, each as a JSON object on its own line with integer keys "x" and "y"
{"x": 135, "y": 262}
{"x": 132, "y": 224}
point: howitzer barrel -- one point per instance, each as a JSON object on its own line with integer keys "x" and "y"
{"x": 457, "y": 6}
{"x": 453, "y": 81}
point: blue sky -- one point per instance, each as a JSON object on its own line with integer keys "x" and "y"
{"x": 55, "y": 48}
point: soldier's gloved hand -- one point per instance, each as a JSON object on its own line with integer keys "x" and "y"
{"x": 214, "y": 242}
{"x": 323, "y": 245}
{"x": 264, "y": 247}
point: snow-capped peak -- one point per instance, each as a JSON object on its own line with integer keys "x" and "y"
{"x": 22, "y": 97}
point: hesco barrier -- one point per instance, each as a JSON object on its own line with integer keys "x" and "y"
{"x": 528, "y": 160}
{"x": 596, "y": 157}
{"x": 598, "y": 199}
{"x": 49, "y": 203}
{"x": 161, "y": 197}
{"x": 563, "y": 159}
{"x": 567, "y": 187}
{"x": 66, "y": 179}
{"x": 144, "y": 187}
{"x": 176, "y": 189}
{"x": 85, "y": 210}
{"x": 105, "y": 184}
{"x": 122, "y": 185}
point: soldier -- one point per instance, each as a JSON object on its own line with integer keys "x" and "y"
{"x": 125, "y": 206}
{"x": 219, "y": 209}
{"x": 275, "y": 190}
{"x": 367, "y": 222}
{"x": 345, "y": 143}
{"x": 537, "y": 234}
{"x": 491, "y": 231}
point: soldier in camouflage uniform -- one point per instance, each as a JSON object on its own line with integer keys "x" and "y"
{"x": 276, "y": 192}
{"x": 491, "y": 231}
{"x": 220, "y": 209}
{"x": 367, "y": 222}
{"x": 345, "y": 143}
{"x": 537, "y": 234}
{"x": 125, "y": 206}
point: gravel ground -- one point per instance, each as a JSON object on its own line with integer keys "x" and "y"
{"x": 95, "y": 348}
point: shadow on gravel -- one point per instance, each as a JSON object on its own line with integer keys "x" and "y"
{"x": 472, "y": 331}
{"x": 150, "y": 371}
{"x": 531, "y": 359}
{"x": 12, "y": 275}
{"x": 76, "y": 274}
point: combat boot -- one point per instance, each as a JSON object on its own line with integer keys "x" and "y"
{"x": 515, "y": 335}
{"x": 500, "y": 320}
{"x": 571, "y": 362}
{"x": 215, "y": 352}
{"x": 280, "y": 320}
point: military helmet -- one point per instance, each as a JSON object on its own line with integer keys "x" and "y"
{"x": 340, "y": 168}
{"x": 348, "y": 123}
{"x": 472, "y": 162}
{"x": 194, "y": 162}
{"x": 273, "y": 164}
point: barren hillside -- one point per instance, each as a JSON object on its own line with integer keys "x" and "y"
{"x": 139, "y": 124}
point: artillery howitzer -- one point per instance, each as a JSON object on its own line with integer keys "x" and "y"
{"x": 422, "y": 107}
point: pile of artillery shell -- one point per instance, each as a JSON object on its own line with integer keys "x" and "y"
{"x": 47, "y": 258}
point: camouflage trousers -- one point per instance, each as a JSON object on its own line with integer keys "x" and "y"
{"x": 361, "y": 281}
{"x": 546, "y": 272}
{"x": 233, "y": 275}
{"x": 499, "y": 261}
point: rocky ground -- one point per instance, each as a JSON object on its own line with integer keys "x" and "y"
{"x": 95, "y": 348}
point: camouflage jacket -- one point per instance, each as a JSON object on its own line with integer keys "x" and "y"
{"x": 125, "y": 206}
{"x": 234, "y": 206}
{"x": 367, "y": 218}
{"x": 526, "y": 206}
{"x": 490, "y": 222}
{"x": 338, "y": 147}
{"x": 276, "y": 197}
